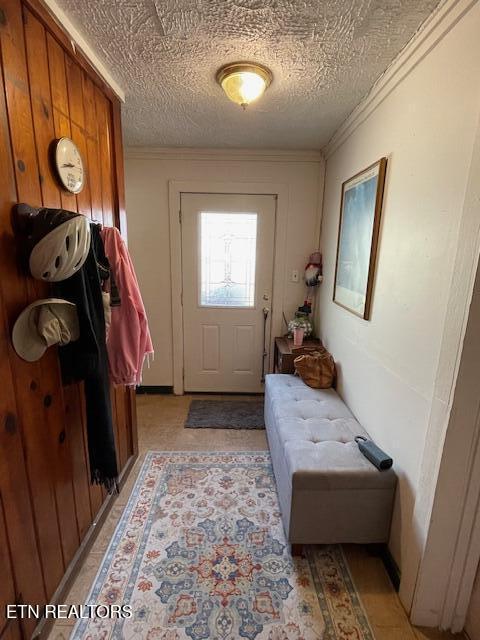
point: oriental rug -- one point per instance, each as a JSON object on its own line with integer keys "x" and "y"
{"x": 200, "y": 554}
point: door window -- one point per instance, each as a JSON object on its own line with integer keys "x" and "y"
{"x": 228, "y": 246}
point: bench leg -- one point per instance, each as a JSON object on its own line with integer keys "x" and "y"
{"x": 297, "y": 549}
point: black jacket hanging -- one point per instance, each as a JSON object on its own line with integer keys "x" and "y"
{"x": 86, "y": 359}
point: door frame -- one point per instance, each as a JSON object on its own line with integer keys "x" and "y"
{"x": 175, "y": 190}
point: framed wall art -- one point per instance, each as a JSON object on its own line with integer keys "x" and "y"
{"x": 360, "y": 213}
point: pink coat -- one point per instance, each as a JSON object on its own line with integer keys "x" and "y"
{"x": 128, "y": 339}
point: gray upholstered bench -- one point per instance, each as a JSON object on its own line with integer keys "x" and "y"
{"x": 328, "y": 491}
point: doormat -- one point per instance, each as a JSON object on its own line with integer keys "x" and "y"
{"x": 225, "y": 414}
{"x": 200, "y": 554}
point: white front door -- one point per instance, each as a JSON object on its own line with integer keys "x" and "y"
{"x": 227, "y": 272}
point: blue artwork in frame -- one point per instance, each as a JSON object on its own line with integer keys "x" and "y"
{"x": 358, "y": 239}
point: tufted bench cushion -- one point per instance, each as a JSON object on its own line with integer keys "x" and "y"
{"x": 328, "y": 491}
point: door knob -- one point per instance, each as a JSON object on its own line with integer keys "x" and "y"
{"x": 266, "y": 296}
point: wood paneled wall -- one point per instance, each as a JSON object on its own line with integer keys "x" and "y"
{"x": 46, "y": 501}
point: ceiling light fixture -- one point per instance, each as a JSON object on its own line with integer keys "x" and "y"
{"x": 244, "y": 82}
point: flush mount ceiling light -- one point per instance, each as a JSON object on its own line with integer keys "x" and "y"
{"x": 244, "y": 82}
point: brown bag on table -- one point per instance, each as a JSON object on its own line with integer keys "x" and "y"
{"x": 316, "y": 369}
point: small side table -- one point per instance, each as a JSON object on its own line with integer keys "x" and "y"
{"x": 285, "y": 353}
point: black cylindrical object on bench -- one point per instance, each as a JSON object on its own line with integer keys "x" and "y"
{"x": 373, "y": 453}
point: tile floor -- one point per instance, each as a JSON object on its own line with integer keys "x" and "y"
{"x": 160, "y": 426}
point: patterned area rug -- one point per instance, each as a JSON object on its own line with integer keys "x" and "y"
{"x": 200, "y": 554}
{"x": 225, "y": 414}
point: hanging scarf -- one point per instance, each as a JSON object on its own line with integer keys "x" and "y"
{"x": 87, "y": 360}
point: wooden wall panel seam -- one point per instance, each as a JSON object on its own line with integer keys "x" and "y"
{"x": 49, "y": 188}
{"x": 93, "y": 152}
{"x": 31, "y": 101}
{"x": 43, "y": 13}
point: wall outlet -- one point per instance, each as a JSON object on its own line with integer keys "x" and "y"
{"x": 295, "y": 275}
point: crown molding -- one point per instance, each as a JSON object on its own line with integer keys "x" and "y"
{"x": 427, "y": 37}
{"x": 79, "y": 42}
{"x": 225, "y": 155}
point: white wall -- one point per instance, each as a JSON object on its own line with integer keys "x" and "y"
{"x": 424, "y": 121}
{"x": 147, "y": 176}
{"x": 444, "y": 516}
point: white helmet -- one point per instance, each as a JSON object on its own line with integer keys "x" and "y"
{"x": 60, "y": 242}
{"x": 62, "y": 252}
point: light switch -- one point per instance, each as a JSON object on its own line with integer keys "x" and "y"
{"x": 295, "y": 275}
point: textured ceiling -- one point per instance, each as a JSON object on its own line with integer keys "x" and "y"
{"x": 325, "y": 56}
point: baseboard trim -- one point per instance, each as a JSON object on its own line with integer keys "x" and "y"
{"x": 383, "y": 552}
{"x": 44, "y": 627}
{"x": 154, "y": 389}
{"x": 391, "y": 567}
